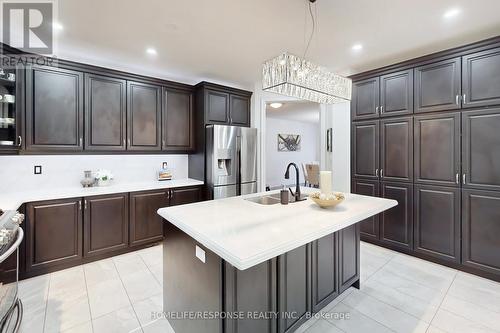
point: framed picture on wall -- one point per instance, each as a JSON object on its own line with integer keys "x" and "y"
{"x": 288, "y": 142}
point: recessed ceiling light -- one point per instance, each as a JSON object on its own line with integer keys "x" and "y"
{"x": 57, "y": 26}
{"x": 276, "y": 105}
{"x": 151, "y": 51}
{"x": 357, "y": 47}
{"x": 451, "y": 13}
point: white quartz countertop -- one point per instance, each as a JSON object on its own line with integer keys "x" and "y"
{"x": 245, "y": 233}
{"x": 12, "y": 201}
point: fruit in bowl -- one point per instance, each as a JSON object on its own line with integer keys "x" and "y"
{"x": 327, "y": 200}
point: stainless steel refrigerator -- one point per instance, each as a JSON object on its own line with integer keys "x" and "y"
{"x": 231, "y": 160}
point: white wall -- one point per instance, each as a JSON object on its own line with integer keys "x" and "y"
{"x": 16, "y": 172}
{"x": 276, "y": 161}
{"x": 337, "y": 117}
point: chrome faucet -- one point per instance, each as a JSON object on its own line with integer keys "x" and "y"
{"x": 296, "y": 195}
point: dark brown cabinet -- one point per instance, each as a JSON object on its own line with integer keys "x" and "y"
{"x": 183, "y": 196}
{"x": 396, "y": 93}
{"x": 146, "y": 226}
{"x": 480, "y": 230}
{"x": 365, "y": 100}
{"x": 365, "y": 153}
{"x": 481, "y": 78}
{"x": 369, "y": 228}
{"x": 481, "y": 149}
{"x": 437, "y": 222}
{"x": 324, "y": 265}
{"x": 438, "y": 86}
{"x": 106, "y": 224}
{"x": 54, "y": 109}
{"x": 217, "y": 104}
{"x": 54, "y": 234}
{"x": 105, "y": 113}
{"x": 396, "y": 149}
{"x": 294, "y": 287}
{"x": 437, "y": 149}
{"x": 349, "y": 257}
{"x": 239, "y": 110}
{"x": 143, "y": 116}
{"x": 396, "y": 224}
{"x": 178, "y": 133}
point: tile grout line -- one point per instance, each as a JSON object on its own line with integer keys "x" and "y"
{"x": 441, "y": 303}
{"x": 375, "y": 320}
{"x": 126, "y": 292}
{"x": 88, "y": 297}
{"x": 46, "y": 303}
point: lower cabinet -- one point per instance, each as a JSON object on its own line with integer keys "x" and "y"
{"x": 105, "y": 224}
{"x": 294, "y": 288}
{"x": 481, "y": 230}
{"x": 146, "y": 225}
{"x": 54, "y": 234}
{"x": 437, "y": 222}
{"x": 349, "y": 257}
{"x": 324, "y": 264}
{"x": 183, "y": 196}
{"x": 369, "y": 228}
{"x": 396, "y": 224}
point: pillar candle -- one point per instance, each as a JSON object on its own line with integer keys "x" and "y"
{"x": 325, "y": 182}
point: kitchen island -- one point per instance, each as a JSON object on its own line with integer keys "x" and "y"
{"x": 234, "y": 265}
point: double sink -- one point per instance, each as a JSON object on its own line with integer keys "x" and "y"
{"x": 273, "y": 199}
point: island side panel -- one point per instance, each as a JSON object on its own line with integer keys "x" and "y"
{"x": 349, "y": 257}
{"x": 189, "y": 284}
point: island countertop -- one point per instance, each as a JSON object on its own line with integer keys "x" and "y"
{"x": 245, "y": 233}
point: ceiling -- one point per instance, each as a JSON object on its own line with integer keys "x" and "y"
{"x": 302, "y": 111}
{"x": 226, "y": 41}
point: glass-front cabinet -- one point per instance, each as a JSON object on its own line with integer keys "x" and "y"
{"x": 10, "y": 129}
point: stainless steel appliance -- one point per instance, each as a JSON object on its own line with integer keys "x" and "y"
{"x": 231, "y": 160}
{"x": 11, "y": 235}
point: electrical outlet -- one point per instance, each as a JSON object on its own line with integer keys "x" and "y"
{"x": 38, "y": 169}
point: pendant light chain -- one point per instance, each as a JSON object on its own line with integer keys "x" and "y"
{"x": 313, "y": 19}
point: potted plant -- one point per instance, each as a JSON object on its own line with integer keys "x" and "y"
{"x": 103, "y": 177}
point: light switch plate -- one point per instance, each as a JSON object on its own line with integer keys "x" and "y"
{"x": 200, "y": 254}
{"x": 38, "y": 170}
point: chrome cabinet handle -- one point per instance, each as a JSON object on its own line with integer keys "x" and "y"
{"x": 80, "y": 204}
{"x": 464, "y": 100}
{"x": 464, "y": 178}
{"x": 457, "y": 100}
{"x": 382, "y": 109}
{"x": 376, "y": 110}
{"x": 20, "y": 141}
{"x": 381, "y": 173}
{"x": 376, "y": 172}
{"x": 85, "y": 204}
{"x": 171, "y": 194}
{"x": 457, "y": 178}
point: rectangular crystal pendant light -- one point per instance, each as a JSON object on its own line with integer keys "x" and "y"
{"x": 293, "y": 76}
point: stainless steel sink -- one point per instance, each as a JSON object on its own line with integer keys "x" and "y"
{"x": 272, "y": 199}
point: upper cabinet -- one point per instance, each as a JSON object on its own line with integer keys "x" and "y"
{"x": 222, "y": 105}
{"x": 365, "y": 99}
{"x": 54, "y": 109}
{"x": 387, "y": 95}
{"x": 437, "y": 86}
{"x": 178, "y": 133}
{"x": 143, "y": 116}
{"x": 481, "y": 78}
{"x": 105, "y": 113}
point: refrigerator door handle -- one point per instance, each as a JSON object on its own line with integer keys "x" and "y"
{"x": 238, "y": 165}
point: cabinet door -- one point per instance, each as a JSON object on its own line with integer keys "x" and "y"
{"x": 481, "y": 227}
{"x": 481, "y": 149}
{"x": 184, "y": 196}
{"x": 324, "y": 271}
{"x": 396, "y": 93}
{"x": 249, "y": 291}
{"x": 396, "y": 224}
{"x": 349, "y": 257}
{"x": 146, "y": 226}
{"x": 365, "y": 99}
{"x": 369, "y": 228}
{"x": 144, "y": 116}
{"x": 53, "y": 233}
{"x": 54, "y": 109}
{"x": 106, "y": 224}
{"x": 437, "y": 222}
{"x": 240, "y": 110}
{"x": 105, "y": 113}
{"x": 365, "y": 153}
{"x": 216, "y": 107}
{"x": 481, "y": 78}
{"x": 396, "y": 149}
{"x": 178, "y": 131}
{"x": 438, "y": 86}
{"x": 437, "y": 149}
{"x": 294, "y": 287}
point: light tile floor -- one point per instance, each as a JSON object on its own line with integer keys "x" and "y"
{"x": 398, "y": 293}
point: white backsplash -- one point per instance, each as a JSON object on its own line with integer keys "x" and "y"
{"x": 17, "y": 172}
